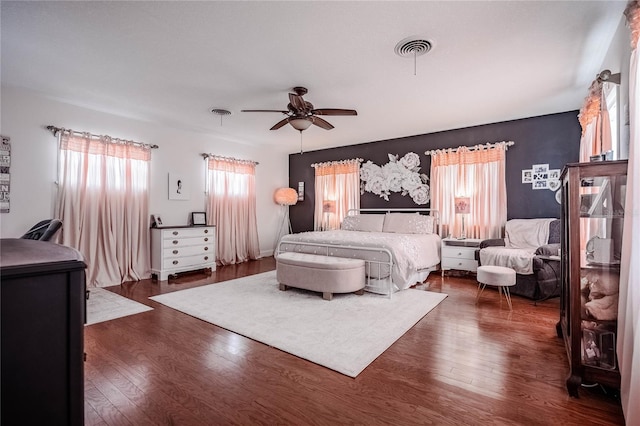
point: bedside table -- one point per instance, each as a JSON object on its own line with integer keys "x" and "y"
{"x": 459, "y": 254}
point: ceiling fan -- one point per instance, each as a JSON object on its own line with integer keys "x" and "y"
{"x": 301, "y": 114}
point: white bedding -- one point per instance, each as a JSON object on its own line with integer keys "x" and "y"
{"x": 411, "y": 252}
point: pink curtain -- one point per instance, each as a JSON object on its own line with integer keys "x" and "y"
{"x": 477, "y": 174}
{"x": 628, "y": 345}
{"x": 337, "y": 190}
{"x": 231, "y": 207}
{"x": 594, "y": 119}
{"x": 103, "y": 203}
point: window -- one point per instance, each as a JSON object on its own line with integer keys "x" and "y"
{"x": 610, "y": 91}
{"x": 231, "y": 207}
{"x": 103, "y": 203}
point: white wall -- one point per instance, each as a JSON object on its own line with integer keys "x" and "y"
{"x": 34, "y": 162}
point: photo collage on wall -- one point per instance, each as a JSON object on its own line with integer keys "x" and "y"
{"x": 5, "y": 163}
{"x": 541, "y": 177}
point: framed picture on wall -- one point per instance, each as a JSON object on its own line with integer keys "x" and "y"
{"x": 156, "y": 221}
{"x": 198, "y": 218}
{"x": 178, "y": 188}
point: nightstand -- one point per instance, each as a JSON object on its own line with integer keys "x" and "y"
{"x": 459, "y": 254}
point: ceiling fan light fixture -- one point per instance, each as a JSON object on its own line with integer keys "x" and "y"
{"x": 300, "y": 123}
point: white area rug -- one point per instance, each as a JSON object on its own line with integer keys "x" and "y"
{"x": 345, "y": 334}
{"x": 104, "y": 305}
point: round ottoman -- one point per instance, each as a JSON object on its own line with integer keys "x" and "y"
{"x": 497, "y": 276}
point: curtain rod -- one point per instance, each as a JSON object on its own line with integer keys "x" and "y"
{"x": 55, "y": 130}
{"x": 327, "y": 163}
{"x": 220, "y": 157}
{"x": 472, "y": 148}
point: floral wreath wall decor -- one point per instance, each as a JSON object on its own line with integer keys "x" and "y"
{"x": 398, "y": 175}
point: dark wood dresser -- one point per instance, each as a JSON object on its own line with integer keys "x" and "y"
{"x": 42, "y": 292}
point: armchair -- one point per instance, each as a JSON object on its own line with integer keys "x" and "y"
{"x": 43, "y": 230}
{"x": 526, "y": 248}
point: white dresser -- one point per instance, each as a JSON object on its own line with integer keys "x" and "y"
{"x": 459, "y": 254}
{"x": 181, "y": 249}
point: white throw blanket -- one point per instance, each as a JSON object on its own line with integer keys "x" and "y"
{"x": 527, "y": 233}
{"x": 523, "y": 237}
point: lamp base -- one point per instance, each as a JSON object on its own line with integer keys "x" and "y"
{"x": 463, "y": 233}
{"x": 285, "y": 226}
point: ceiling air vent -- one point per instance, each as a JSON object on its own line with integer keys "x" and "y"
{"x": 412, "y": 46}
{"x": 220, "y": 112}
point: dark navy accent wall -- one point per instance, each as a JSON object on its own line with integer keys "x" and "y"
{"x": 550, "y": 139}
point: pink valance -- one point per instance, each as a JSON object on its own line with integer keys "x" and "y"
{"x": 232, "y": 166}
{"x": 632, "y": 12}
{"x": 463, "y": 155}
{"x": 107, "y": 146}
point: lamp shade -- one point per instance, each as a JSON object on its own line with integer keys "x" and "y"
{"x": 328, "y": 206}
{"x": 463, "y": 205}
{"x": 300, "y": 123}
{"x": 285, "y": 196}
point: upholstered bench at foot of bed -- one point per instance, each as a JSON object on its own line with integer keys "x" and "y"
{"x": 325, "y": 274}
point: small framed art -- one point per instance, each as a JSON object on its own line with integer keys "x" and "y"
{"x": 178, "y": 188}
{"x": 198, "y": 218}
{"x": 156, "y": 221}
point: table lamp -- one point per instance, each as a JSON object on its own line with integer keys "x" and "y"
{"x": 328, "y": 207}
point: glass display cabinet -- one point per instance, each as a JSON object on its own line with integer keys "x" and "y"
{"x": 593, "y": 196}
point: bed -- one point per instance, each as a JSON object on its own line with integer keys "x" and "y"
{"x": 400, "y": 247}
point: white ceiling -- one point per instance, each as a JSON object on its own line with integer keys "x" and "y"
{"x": 171, "y": 62}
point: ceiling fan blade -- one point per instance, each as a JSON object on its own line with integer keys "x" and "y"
{"x": 280, "y": 124}
{"x": 334, "y": 111}
{"x": 297, "y": 102}
{"x": 322, "y": 123}
{"x": 263, "y": 110}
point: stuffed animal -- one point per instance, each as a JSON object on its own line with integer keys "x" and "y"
{"x": 604, "y": 308}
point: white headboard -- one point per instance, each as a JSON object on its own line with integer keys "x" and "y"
{"x": 428, "y": 212}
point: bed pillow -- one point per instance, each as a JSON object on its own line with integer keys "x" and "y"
{"x": 408, "y": 223}
{"x": 363, "y": 222}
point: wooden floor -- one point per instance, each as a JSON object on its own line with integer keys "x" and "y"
{"x": 461, "y": 364}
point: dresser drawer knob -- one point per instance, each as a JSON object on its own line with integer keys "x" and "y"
{"x": 175, "y": 241}
{"x": 206, "y": 258}
{"x": 206, "y": 248}
{"x": 206, "y": 239}
{"x": 175, "y": 232}
{"x": 206, "y": 231}
{"x": 175, "y": 252}
{"x": 175, "y": 262}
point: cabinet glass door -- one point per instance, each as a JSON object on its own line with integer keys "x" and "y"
{"x": 601, "y": 215}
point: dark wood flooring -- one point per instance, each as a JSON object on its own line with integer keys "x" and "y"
{"x": 462, "y": 364}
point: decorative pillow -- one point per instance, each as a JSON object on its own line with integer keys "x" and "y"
{"x": 363, "y": 222}
{"x": 408, "y": 223}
